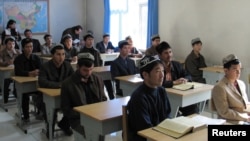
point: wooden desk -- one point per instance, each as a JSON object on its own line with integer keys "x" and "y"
{"x": 5, "y": 72}
{"x": 129, "y": 83}
{"x": 213, "y": 74}
{"x": 108, "y": 57}
{"x": 136, "y": 60}
{"x": 52, "y": 100}
{"x": 103, "y": 72}
{"x": 180, "y": 98}
{"x": 102, "y": 118}
{"x": 152, "y": 135}
{"x": 23, "y": 85}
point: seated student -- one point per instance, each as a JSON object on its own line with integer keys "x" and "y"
{"x": 174, "y": 74}
{"x": 70, "y": 51}
{"x": 195, "y": 61}
{"x": 81, "y": 88}
{"x": 105, "y": 46}
{"x": 51, "y": 75}
{"x": 122, "y": 65}
{"x": 149, "y": 103}
{"x": 134, "y": 52}
{"x": 155, "y": 39}
{"x": 36, "y": 43}
{"x": 229, "y": 97}
{"x": 89, "y": 48}
{"x": 28, "y": 64}
{"x": 7, "y": 57}
{"x": 46, "y": 47}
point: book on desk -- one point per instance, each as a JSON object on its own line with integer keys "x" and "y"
{"x": 187, "y": 86}
{"x": 180, "y": 126}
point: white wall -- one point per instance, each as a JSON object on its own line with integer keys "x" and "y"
{"x": 95, "y": 18}
{"x": 222, "y": 26}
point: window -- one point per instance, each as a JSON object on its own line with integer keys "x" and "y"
{"x": 129, "y": 18}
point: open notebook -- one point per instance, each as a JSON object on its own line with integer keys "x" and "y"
{"x": 187, "y": 86}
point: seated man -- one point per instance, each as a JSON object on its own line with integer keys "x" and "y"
{"x": 105, "y": 46}
{"x": 229, "y": 97}
{"x": 195, "y": 60}
{"x": 122, "y": 65}
{"x": 70, "y": 50}
{"x": 89, "y": 48}
{"x": 36, "y": 43}
{"x": 51, "y": 75}
{"x": 7, "y": 57}
{"x": 28, "y": 64}
{"x": 149, "y": 103}
{"x": 46, "y": 47}
{"x": 81, "y": 88}
{"x": 155, "y": 41}
{"x": 174, "y": 74}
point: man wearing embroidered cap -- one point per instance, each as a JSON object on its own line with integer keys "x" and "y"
{"x": 149, "y": 103}
{"x": 195, "y": 60}
{"x": 81, "y": 88}
{"x": 229, "y": 97}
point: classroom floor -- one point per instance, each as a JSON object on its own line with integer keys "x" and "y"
{"x": 9, "y": 131}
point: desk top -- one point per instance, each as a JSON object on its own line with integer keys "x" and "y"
{"x": 24, "y": 79}
{"x": 109, "y": 54}
{"x": 104, "y": 110}
{"x": 130, "y": 78}
{"x": 46, "y": 58}
{"x": 50, "y": 92}
{"x": 218, "y": 69}
{"x": 200, "y": 135}
{"x": 205, "y": 87}
{"x": 8, "y": 68}
{"x": 101, "y": 69}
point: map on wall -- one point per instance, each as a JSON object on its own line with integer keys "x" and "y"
{"x": 29, "y": 14}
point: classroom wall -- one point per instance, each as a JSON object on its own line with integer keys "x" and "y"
{"x": 64, "y": 14}
{"x": 222, "y": 26}
{"x": 95, "y": 18}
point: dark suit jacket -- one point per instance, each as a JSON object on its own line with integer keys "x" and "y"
{"x": 49, "y": 76}
{"x": 100, "y": 46}
{"x": 118, "y": 67}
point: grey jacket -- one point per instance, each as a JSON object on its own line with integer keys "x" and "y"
{"x": 49, "y": 76}
{"x": 73, "y": 94}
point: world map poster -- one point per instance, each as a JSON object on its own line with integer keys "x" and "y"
{"x": 28, "y": 14}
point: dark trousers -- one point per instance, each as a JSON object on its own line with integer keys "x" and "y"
{"x": 6, "y": 90}
{"x": 189, "y": 110}
{"x": 109, "y": 88}
{"x": 118, "y": 90}
{"x": 38, "y": 103}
